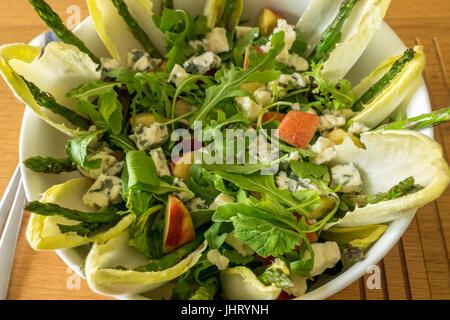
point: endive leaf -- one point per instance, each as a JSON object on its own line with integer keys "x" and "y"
{"x": 114, "y": 31}
{"x": 240, "y": 283}
{"x": 23, "y": 55}
{"x": 43, "y": 232}
{"x": 361, "y": 237}
{"x": 390, "y": 98}
{"x": 362, "y": 24}
{"x": 390, "y": 157}
{"x": 104, "y": 278}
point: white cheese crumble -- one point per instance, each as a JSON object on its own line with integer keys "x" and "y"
{"x": 326, "y": 255}
{"x": 149, "y": 137}
{"x": 218, "y": 259}
{"x": 202, "y": 63}
{"x": 216, "y": 41}
{"x": 196, "y": 204}
{"x": 220, "y": 200}
{"x": 348, "y": 176}
{"x": 290, "y": 59}
{"x": 160, "y": 160}
{"x": 331, "y": 119}
{"x": 299, "y": 287}
{"x": 357, "y": 128}
{"x": 108, "y": 65}
{"x": 249, "y": 108}
{"x": 141, "y": 61}
{"x": 182, "y": 195}
{"x": 325, "y": 149}
{"x": 177, "y": 75}
{"x": 109, "y": 164}
{"x": 285, "y": 183}
{"x": 105, "y": 191}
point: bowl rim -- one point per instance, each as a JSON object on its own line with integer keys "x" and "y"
{"x": 395, "y": 230}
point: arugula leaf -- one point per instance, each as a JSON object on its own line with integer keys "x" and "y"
{"x": 139, "y": 232}
{"x": 241, "y": 45}
{"x": 233, "y": 78}
{"x": 108, "y": 111}
{"x": 242, "y": 169}
{"x": 174, "y": 257}
{"x": 77, "y": 149}
{"x": 337, "y": 97}
{"x": 179, "y": 28}
{"x": 217, "y": 234}
{"x": 141, "y": 170}
{"x": 260, "y": 183}
{"x": 319, "y": 175}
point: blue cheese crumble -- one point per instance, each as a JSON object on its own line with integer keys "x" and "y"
{"x": 203, "y": 63}
{"x": 150, "y": 137}
{"x": 104, "y": 192}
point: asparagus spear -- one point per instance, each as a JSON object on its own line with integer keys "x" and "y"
{"x": 44, "y": 100}
{"x": 276, "y": 277}
{"x": 420, "y": 122}
{"x": 50, "y": 165}
{"x": 49, "y": 209}
{"x": 231, "y": 14}
{"x": 55, "y": 23}
{"x": 404, "y": 187}
{"x": 137, "y": 31}
{"x": 396, "y": 68}
{"x": 206, "y": 292}
{"x": 332, "y": 34}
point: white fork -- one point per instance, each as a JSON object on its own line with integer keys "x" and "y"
{"x": 11, "y": 211}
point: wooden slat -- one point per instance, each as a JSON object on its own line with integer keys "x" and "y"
{"x": 396, "y": 279}
{"x": 351, "y": 292}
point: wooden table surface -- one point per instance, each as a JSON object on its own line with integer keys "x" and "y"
{"x": 416, "y": 268}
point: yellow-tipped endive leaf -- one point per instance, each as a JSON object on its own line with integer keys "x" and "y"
{"x": 390, "y": 157}
{"x": 361, "y": 237}
{"x": 26, "y": 55}
{"x": 390, "y": 98}
{"x": 357, "y": 32}
{"x": 104, "y": 279}
{"x": 43, "y": 232}
{"x": 61, "y": 68}
{"x": 114, "y": 31}
{"x": 240, "y": 283}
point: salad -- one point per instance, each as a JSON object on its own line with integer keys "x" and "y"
{"x": 218, "y": 160}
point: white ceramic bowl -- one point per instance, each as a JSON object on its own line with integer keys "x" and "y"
{"x": 39, "y": 138}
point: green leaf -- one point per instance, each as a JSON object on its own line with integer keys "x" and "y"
{"x": 265, "y": 238}
{"x": 235, "y": 77}
{"x": 141, "y": 170}
{"x": 139, "y": 232}
{"x": 77, "y": 149}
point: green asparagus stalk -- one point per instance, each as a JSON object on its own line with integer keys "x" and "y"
{"x": 48, "y": 102}
{"x": 332, "y": 34}
{"x": 55, "y": 23}
{"x": 50, "y": 165}
{"x": 137, "y": 31}
{"x": 232, "y": 14}
{"x": 276, "y": 277}
{"x": 404, "y": 187}
{"x": 396, "y": 68}
{"x": 206, "y": 292}
{"x": 49, "y": 209}
{"x": 420, "y": 122}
